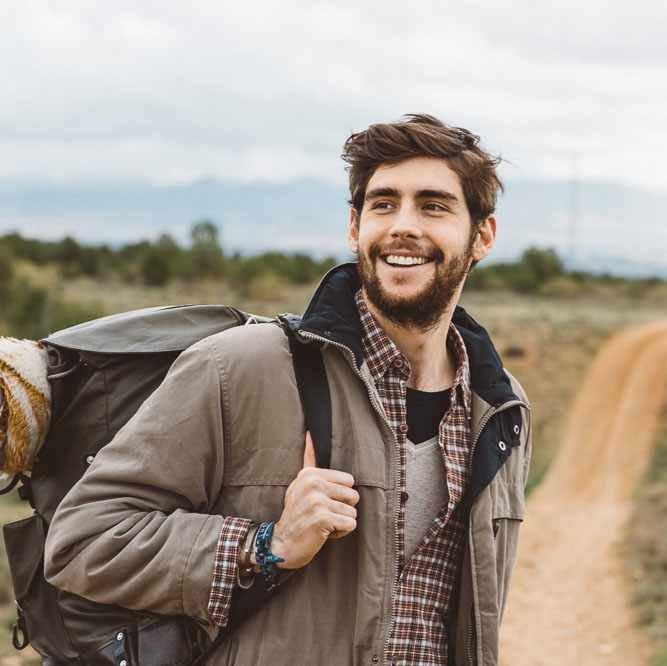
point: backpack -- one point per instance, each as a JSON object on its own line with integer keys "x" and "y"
{"x": 100, "y": 372}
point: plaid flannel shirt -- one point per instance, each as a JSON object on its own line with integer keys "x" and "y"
{"x": 427, "y": 581}
{"x": 226, "y": 568}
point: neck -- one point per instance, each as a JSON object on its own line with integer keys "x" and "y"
{"x": 432, "y": 367}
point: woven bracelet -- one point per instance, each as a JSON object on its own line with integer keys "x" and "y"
{"x": 265, "y": 558}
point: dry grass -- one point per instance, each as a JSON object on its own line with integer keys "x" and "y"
{"x": 646, "y": 549}
{"x": 265, "y": 295}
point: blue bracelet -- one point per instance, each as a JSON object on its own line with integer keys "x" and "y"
{"x": 265, "y": 558}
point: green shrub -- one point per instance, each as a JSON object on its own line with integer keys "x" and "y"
{"x": 207, "y": 255}
{"x": 6, "y": 275}
{"x": 34, "y": 312}
{"x": 155, "y": 268}
{"x": 68, "y": 313}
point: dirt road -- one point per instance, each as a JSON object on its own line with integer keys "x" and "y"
{"x": 569, "y": 598}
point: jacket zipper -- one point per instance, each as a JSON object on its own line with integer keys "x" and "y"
{"x": 380, "y": 410}
{"x": 470, "y": 640}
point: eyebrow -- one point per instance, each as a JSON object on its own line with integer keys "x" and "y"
{"x": 420, "y": 194}
{"x": 436, "y": 194}
{"x": 382, "y": 192}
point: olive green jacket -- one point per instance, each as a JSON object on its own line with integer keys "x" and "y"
{"x": 223, "y": 435}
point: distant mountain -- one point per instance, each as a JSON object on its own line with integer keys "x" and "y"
{"x": 617, "y": 228}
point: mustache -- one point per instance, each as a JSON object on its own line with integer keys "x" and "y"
{"x": 376, "y": 250}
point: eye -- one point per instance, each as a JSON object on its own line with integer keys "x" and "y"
{"x": 381, "y": 205}
{"x": 436, "y": 207}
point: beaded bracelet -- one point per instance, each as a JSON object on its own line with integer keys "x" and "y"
{"x": 265, "y": 558}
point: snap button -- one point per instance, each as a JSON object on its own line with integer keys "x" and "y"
{"x": 403, "y": 428}
{"x": 119, "y": 636}
{"x": 517, "y": 430}
{"x": 501, "y": 445}
{"x": 89, "y": 460}
{"x": 398, "y": 363}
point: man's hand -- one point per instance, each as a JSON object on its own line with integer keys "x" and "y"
{"x": 319, "y": 504}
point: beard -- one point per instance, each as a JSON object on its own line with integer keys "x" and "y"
{"x": 424, "y": 309}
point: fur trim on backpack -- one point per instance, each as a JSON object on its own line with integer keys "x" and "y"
{"x": 25, "y": 403}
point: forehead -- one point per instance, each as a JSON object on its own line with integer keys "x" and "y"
{"x": 417, "y": 173}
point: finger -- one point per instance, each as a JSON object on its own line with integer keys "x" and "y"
{"x": 331, "y": 475}
{"x": 309, "y": 459}
{"x": 342, "y": 509}
{"x": 342, "y": 525}
{"x": 337, "y": 491}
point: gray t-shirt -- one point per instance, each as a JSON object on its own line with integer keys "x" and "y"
{"x": 426, "y": 483}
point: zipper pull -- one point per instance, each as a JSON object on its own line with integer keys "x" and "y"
{"x": 20, "y": 639}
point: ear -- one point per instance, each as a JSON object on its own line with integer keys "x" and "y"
{"x": 484, "y": 239}
{"x": 353, "y": 231}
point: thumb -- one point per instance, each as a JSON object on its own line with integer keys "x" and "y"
{"x": 309, "y": 459}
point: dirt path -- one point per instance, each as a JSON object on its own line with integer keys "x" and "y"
{"x": 568, "y": 602}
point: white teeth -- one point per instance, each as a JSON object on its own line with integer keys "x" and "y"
{"x": 405, "y": 261}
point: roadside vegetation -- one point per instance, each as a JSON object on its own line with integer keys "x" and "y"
{"x": 646, "y": 549}
{"x": 547, "y": 322}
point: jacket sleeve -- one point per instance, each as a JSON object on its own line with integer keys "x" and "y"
{"x": 136, "y": 530}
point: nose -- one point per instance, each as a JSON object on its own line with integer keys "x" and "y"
{"x": 405, "y": 224}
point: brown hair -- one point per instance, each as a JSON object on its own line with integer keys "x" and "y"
{"x": 421, "y": 135}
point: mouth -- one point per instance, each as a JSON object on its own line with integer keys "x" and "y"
{"x": 405, "y": 260}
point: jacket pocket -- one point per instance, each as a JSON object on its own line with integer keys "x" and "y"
{"x": 506, "y": 539}
{"x": 508, "y": 509}
{"x": 36, "y": 599}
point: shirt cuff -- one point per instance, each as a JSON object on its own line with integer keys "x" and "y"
{"x": 225, "y": 568}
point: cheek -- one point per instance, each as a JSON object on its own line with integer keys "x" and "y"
{"x": 367, "y": 236}
{"x": 455, "y": 242}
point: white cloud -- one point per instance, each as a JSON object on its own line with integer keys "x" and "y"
{"x": 168, "y": 91}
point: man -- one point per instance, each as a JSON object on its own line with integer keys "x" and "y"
{"x": 404, "y": 548}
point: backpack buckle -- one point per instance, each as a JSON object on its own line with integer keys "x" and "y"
{"x": 119, "y": 648}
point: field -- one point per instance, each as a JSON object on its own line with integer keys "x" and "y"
{"x": 548, "y": 343}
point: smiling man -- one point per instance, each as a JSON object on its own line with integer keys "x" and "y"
{"x": 403, "y": 550}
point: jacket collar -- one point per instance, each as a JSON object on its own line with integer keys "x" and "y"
{"x": 332, "y": 314}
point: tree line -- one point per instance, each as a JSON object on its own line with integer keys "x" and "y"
{"x": 30, "y": 311}
{"x": 156, "y": 263}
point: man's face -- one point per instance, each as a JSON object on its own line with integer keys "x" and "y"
{"x": 415, "y": 241}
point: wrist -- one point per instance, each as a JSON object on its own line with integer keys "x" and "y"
{"x": 280, "y": 547}
{"x": 266, "y": 557}
{"x": 246, "y": 559}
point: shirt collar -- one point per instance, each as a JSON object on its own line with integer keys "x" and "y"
{"x": 381, "y": 353}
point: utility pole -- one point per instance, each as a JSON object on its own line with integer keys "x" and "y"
{"x": 575, "y": 209}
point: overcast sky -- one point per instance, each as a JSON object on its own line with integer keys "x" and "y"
{"x": 171, "y": 92}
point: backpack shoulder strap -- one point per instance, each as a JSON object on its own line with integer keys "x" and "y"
{"x": 311, "y": 379}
